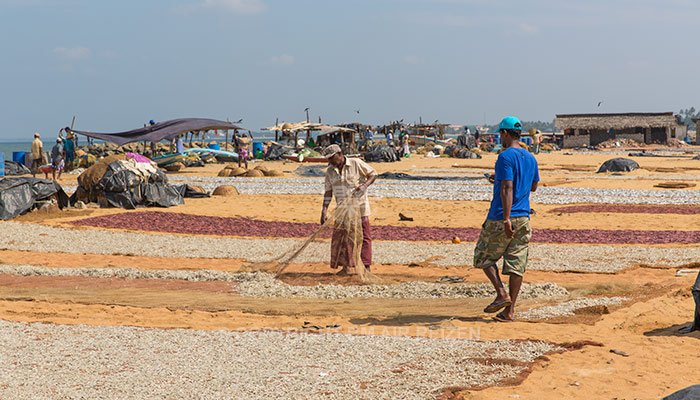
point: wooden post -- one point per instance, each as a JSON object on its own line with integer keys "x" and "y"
{"x": 191, "y": 135}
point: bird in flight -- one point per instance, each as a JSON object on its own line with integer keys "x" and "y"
{"x": 599, "y": 103}
{"x": 239, "y": 121}
{"x": 357, "y": 111}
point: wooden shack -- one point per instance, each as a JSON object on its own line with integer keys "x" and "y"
{"x": 593, "y": 129}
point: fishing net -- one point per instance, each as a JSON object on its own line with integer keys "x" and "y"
{"x": 345, "y": 223}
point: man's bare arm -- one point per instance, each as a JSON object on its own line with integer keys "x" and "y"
{"x": 327, "y": 197}
{"x": 507, "y": 201}
{"x": 533, "y": 187}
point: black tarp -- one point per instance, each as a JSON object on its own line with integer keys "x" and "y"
{"x": 13, "y": 168}
{"x": 404, "y": 176}
{"x": 186, "y": 191}
{"x": 618, "y": 165}
{"x": 121, "y": 187}
{"x": 18, "y": 195}
{"x": 311, "y": 171}
{"x": 276, "y": 152}
{"x": 689, "y": 393}
{"x": 382, "y": 153}
{"x": 165, "y": 130}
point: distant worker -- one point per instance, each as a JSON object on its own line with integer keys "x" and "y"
{"x": 403, "y": 139}
{"x": 506, "y": 232}
{"x": 37, "y": 154}
{"x": 536, "y": 139}
{"x": 244, "y": 148}
{"x": 369, "y": 137}
{"x": 389, "y": 138}
{"x": 348, "y": 177}
{"x": 179, "y": 145}
{"x": 476, "y": 136}
{"x": 69, "y": 148}
{"x": 696, "y": 319}
{"x": 469, "y": 132}
{"x": 57, "y": 158}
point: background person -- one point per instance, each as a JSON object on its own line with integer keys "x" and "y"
{"x": 69, "y": 149}
{"x": 243, "y": 144}
{"x": 37, "y": 154}
{"x": 57, "y": 158}
{"x": 348, "y": 177}
{"x": 506, "y": 232}
{"x": 696, "y": 319}
{"x": 536, "y": 135}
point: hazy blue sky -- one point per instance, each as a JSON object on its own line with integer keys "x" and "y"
{"x": 118, "y": 64}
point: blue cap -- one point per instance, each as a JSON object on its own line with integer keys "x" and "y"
{"x": 509, "y": 123}
{"x": 152, "y": 122}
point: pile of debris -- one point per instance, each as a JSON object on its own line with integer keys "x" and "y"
{"x": 673, "y": 142}
{"x": 616, "y": 143}
{"x": 259, "y": 171}
{"x": 461, "y": 152}
{"x": 101, "y": 150}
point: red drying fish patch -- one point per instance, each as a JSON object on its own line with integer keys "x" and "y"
{"x": 155, "y": 221}
{"x": 632, "y": 209}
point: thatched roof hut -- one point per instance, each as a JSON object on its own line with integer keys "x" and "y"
{"x": 615, "y": 121}
{"x": 592, "y": 129}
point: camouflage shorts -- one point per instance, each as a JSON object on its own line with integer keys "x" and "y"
{"x": 493, "y": 244}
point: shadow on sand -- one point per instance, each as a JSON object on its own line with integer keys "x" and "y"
{"x": 432, "y": 320}
{"x": 673, "y": 330}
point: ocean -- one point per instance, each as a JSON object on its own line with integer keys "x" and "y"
{"x": 10, "y": 147}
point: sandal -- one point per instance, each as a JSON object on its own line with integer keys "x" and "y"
{"x": 497, "y": 305}
{"x": 502, "y": 318}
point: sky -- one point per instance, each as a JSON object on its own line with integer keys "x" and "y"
{"x": 117, "y": 64}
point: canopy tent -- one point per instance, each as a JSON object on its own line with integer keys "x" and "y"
{"x": 166, "y": 130}
{"x": 295, "y": 128}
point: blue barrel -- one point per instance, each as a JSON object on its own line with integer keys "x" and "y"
{"x": 257, "y": 146}
{"x": 528, "y": 140}
{"x": 214, "y": 146}
{"x": 2, "y": 165}
{"x": 498, "y": 139}
{"x": 18, "y": 157}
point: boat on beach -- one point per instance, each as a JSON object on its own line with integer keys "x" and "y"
{"x": 298, "y": 158}
{"x": 422, "y": 140}
{"x": 221, "y": 155}
{"x": 168, "y": 159}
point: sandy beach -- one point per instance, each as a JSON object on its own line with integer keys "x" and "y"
{"x": 94, "y": 298}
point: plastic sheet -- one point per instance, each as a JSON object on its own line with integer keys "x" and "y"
{"x": 618, "y": 165}
{"x": 19, "y": 195}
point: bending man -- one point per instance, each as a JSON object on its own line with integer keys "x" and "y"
{"x": 348, "y": 177}
{"x": 696, "y": 296}
{"x": 506, "y": 232}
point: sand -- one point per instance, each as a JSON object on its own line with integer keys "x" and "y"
{"x": 660, "y": 361}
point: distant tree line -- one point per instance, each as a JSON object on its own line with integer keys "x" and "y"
{"x": 687, "y": 115}
{"x": 543, "y": 126}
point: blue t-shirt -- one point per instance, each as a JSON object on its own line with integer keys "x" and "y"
{"x": 519, "y": 166}
{"x": 68, "y": 145}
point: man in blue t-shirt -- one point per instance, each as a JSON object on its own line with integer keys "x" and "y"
{"x": 506, "y": 232}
